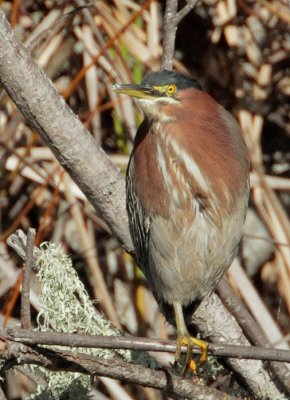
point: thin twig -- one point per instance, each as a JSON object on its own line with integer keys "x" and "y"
{"x": 138, "y": 343}
{"x": 25, "y": 297}
{"x": 171, "y": 20}
{"x": 169, "y": 34}
{"x": 191, "y": 4}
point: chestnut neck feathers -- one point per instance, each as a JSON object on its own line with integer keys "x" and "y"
{"x": 214, "y": 160}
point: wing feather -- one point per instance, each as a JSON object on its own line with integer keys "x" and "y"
{"x": 139, "y": 222}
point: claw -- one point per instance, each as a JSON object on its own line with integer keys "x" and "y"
{"x": 184, "y": 339}
{"x": 189, "y": 362}
{"x": 203, "y": 347}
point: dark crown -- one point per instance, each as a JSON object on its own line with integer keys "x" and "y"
{"x": 165, "y": 77}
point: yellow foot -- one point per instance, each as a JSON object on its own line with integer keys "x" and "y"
{"x": 203, "y": 347}
{"x": 189, "y": 341}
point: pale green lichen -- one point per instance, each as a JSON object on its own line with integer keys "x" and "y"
{"x": 66, "y": 307}
{"x": 65, "y": 303}
{"x": 63, "y": 385}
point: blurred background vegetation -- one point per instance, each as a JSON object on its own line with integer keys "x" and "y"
{"x": 239, "y": 51}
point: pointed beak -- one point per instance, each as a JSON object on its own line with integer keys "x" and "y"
{"x": 138, "y": 91}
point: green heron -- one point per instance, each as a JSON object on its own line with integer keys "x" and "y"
{"x": 187, "y": 193}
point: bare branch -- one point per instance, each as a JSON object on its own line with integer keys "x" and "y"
{"x": 137, "y": 343}
{"x": 25, "y": 296}
{"x": 191, "y": 4}
{"x": 113, "y": 368}
{"x": 63, "y": 132}
{"x": 169, "y": 34}
{"x": 221, "y": 326}
{"x": 171, "y": 20}
{"x": 251, "y": 328}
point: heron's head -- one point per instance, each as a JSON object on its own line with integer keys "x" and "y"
{"x": 160, "y": 93}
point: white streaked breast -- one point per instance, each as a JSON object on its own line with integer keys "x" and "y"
{"x": 163, "y": 168}
{"x": 191, "y": 166}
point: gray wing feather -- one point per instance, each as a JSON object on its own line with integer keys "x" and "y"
{"x": 139, "y": 223}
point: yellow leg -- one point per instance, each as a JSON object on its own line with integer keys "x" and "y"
{"x": 184, "y": 339}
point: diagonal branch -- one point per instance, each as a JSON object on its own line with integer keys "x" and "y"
{"x": 252, "y": 329}
{"x": 73, "y": 146}
{"x": 191, "y": 4}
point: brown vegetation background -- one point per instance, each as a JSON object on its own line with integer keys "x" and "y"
{"x": 239, "y": 51}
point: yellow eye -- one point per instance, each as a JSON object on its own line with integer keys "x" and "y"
{"x": 170, "y": 89}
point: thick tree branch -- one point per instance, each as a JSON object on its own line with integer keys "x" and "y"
{"x": 62, "y": 131}
{"x": 216, "y": 322}
{"x": 251, "y": 328}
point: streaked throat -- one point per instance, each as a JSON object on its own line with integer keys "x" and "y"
{"x": 156, "y": 109}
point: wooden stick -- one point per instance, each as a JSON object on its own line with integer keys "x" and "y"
{"x": 25, "y": 297}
